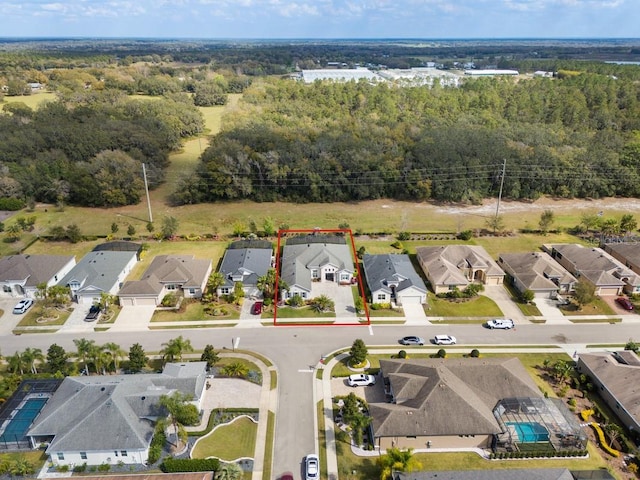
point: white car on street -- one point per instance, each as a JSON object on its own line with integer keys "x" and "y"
{"x": 444, "y": 340}
{"x": 502, "y": 323}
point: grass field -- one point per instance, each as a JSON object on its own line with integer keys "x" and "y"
{"x": 476, "y": 307}
{"x": 194, "y": 312}
{"x": 229, "y": 442}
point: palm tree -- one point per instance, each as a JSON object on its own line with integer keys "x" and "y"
{"x": 22, "y": 467}
{"x": 100, "y": 359}
{"x": 116, "y": 353}
{"x": 215, "y": 280}
{"x": 229, "y": 471}
{"x": 30, "y": 356}
{"x": 17, "y": 363}
{"x": 322, "y": 304}
{"x": 235, "y": 369}
{"x": 174, "y": 349}
{"x": 84, "y": 347}
{"x": 613, "y": 432}
{"x": 397, "y": 460}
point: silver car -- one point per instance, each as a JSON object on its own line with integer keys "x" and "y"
{"x": 411, "y": 340}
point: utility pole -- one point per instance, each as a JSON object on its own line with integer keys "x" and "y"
{"x": 146, "y": 189}
{"x": 504, "y": 167}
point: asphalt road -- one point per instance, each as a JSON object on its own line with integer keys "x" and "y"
{"x": 297, "y": 350}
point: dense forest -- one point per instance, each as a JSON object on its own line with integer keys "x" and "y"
{"x": 573, "y": 136}
{"x": 89, "y": 150}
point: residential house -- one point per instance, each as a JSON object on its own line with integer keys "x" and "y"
{"x": 120, "y": 246}
{"x": 314, "y": 258}
{"x": 245, "y": 262}
{"x": 446, "y": 403}
{"x": 457, "y": 266}
{"x": 616, "y": 376}
{"x": 183, "y": 275}
{"x": 20, "y": 275}
{"x": 392, "y": 278}
{"x": 97, "y": 273}
{"x": 593, "y": 265}
{"x": 109, "y": 419}
{"x": 629, "y": 255}
{"x": 537, "y": 272}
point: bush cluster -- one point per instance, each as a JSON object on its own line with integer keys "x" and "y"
{"x": 173, "y": 465}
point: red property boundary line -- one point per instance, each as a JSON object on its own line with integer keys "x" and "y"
{"x": 360, "y": 281}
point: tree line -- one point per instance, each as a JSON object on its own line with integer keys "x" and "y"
{"x": 571, "y": 137}
{"x": 87, "y": 147}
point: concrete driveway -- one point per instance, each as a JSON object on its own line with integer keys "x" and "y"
{"x": 341, "y": 295}
{"x": 501, "y": 296}
{"x": 133, "y": 318}
{"x": 414, "y": 314}
{"x": 8, "y": 321}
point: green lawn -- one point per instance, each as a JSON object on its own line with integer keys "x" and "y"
{"x": 597, "y": 307}
{"x": 194, "y": 312}
{"x": 31, "y": 101}
{"x": 30, "y": 319}
{"x": 229, "y": 442}
{"x": 302, "y": 312}
{"x": 480, "y": 306}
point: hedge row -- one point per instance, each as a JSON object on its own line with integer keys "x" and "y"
{"x": 174, "y": 465}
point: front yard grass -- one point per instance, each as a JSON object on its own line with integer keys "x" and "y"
{"x": 302, "y": 312}
{"x": 194, "y": 311}
{"x": 596, "y": 307}
{"x": 479, "y": 306}
{"x": 229, "y": 442}
{"x": 30, "y": 318}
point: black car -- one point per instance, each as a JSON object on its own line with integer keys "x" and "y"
{"x": 94, "y": 313}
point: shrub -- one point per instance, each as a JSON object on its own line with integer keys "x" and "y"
{"x": 104, "y": 467}
{"x": 402, "y": 354}
{"x": 80, "y": 468}
{"x": 465, "y": 235}
{"x": 170, "y": 300}
{"x": 442, "y": 353}
{"x": 11, "y": 204}
{"x": 172, "y": 465}
{"x": 475, "y": 353}
{"x": 296, "y": 301}
{"x": 397, "y": 245}
{"x": 404, "y": 236}
{"x": 62, "y": 468}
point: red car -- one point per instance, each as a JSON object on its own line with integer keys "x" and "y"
{"x": 257, "y": 308}
{"x": 624, "y": 303}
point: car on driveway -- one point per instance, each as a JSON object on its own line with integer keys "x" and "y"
{"x": 22, "y": 306}
{"x": 94, "y": 313}
{"x": 500, "y": 323}
{"x": 625, "y": 303}
{"x": 286, "y": 476}
{"x": 361, "y": 380}
{"x": 257, "y": 308}
{"x": 444, "y": 340}
{"x": 311, "y": 467}
{"x": 411, "y": 340}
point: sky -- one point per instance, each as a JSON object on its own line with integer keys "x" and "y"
{"x": 264, "y": 19}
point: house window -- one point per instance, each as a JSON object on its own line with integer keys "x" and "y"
{"x": 7, "y": 289}
{"x": 452, "y": 288}
{"x": 83, "y": 455}
{"x": 171, "y": 287}
{"x": 123, "y": 453}
{"x": 315, "y": 273}
{"x": 344, "y": 277}
{"x": 192, "y": 291}
{"x": 60, "y": 456}
{"x": 304, "y": 294}
{"x": 224, "y": 290}
{"x": 116, "y": 453}
{"x": 382, "y": 296}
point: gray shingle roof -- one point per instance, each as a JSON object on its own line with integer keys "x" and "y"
{"x": 596, "y": 265}
{"x": 297, "y": 260}
{"x": 98, "y": 269}
{"x": 245, "y": 265}
{"x": 111, "y": 412}
{"x": 382, "y": 270}
{"x": 620, "y": 373}
{"x": 185, "y": 270}
{"x": 448, "y": 396}
{"x": 535, "y": 270}
{"x": 35, "y": 269}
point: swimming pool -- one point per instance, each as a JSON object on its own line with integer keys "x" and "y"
{"x": 530, "y": 432}
{"x": 22, "y": 419}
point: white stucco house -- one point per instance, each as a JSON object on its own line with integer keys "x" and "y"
{"x": 97, "y": 273}
{"x": 20, "y": 275}
{"x": 109, "y": 419}
{"x": 392, "y": 279}
{"x": 314, "y": 258}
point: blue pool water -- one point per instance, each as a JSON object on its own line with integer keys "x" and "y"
{"x": 530, "y": 432}
{"x": 22, "y": 420}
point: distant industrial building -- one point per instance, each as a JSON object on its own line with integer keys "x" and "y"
{"x": 340, "y": 75}
{"x": 490, "y": 72}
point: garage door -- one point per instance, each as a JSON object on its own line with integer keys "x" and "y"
{"x": 411, "y": 300}
{"x": 608, "y": 291}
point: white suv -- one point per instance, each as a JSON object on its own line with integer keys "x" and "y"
{"x": 444, "y": 340}
{"x": 502, "y": 323}
{"x": 361, "y": 380}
